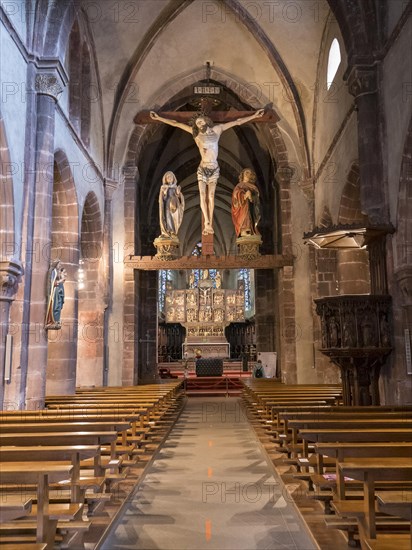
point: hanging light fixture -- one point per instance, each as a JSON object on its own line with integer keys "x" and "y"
{"x": 345, "y": 235}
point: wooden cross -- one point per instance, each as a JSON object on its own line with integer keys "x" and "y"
{"x": 206, "y": 104}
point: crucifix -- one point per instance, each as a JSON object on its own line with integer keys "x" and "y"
{"x": 206, "y": 128}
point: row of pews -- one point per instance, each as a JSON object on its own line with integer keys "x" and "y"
{"x": 62, "y": 467}
{"x": 356, "y": 460}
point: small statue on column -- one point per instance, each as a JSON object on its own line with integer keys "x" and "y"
{"x": 171, "y": 209}
{"x": 56, "y": 278}
{"x": 246, "y": 214}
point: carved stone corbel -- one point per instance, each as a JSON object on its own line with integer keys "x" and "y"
{"x": 130, "y": 172}
{"x": 363, "y": 80}
{"x": 10, "y": 276}
{"x": 308, "y": 188}
{"x": 110, "y": 186}
{"x": 48, "y": 84}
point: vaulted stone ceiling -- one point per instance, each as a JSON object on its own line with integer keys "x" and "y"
{"x": 270, "y": 48}
{"x": 151, "y": 53}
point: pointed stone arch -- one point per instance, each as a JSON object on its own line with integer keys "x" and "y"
{"x": 133, "y": 284}
{"x": 7, "y": 240}
{"x": 90, "y": 294}
{"x": 52, "y": 24}
{"x": 85, "y": 107}
{"x": 62, "y": 344}
{"x": 75, "y": 75}
{"x": 353, "y": 265}
{"x": 404, "y": 214}
{"x": 10, "y": 266}
{"x": 269, "y": 49}
{"x": 350, "y": 208}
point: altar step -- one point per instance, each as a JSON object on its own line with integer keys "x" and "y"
{"x": 213, "y": 385}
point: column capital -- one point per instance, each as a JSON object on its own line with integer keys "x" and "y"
{"x": 285, "y": 174}
{"x": 110, "y": 186}
{"x": 308, "y": 188}
{"x": 10, "y": 275}
{"x": 363, "y": 80}
{"x": 130, "y": 171}
{"x": 48, "y": 84}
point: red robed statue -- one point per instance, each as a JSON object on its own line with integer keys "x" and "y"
{"x": 246, "y": 205}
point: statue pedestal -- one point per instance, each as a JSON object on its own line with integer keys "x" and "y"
{"x": 167, "y": 248}
{"x": 249, "y": 246}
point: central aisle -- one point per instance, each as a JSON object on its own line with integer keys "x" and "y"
{"x": 210, "y": 487}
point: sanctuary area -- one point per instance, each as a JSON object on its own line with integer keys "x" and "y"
{"x": 206, "y": 270}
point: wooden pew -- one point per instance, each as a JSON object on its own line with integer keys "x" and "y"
{"x": 396, "y": 503}
{"x": 59, "y": 438}
{"x": 71, "y": 453}
{"x": 353, "y": 434}
{"x": 369, "y": 471}
{"x": 40, "y": 474}
{"x": 14, "y": 506}
{"x": 103, "y": 410}
{"x": 341, "y": 451}
{"x": 388, "y": 542}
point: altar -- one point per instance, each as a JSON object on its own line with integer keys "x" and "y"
{"x": 205, "y": 312}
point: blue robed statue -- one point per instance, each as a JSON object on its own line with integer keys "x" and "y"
{"x": 56, "y": 278}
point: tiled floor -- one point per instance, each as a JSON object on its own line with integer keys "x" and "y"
{"x": 210, "y": 487}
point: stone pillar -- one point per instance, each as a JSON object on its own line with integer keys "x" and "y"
{"x": 48, "y": 86}
{"x": 353, "y": 272}
{"x": 131, "y": 175}
{"x": 146, "y": 326}
{"x": 110, "y": 187}
{"x": 363, "y": 85}
{"x": 403, "y": 277}
{"x": 265, "y": 317}
{"x": 10, "y": 274}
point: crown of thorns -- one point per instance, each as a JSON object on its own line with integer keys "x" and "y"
{"x": 200, "y": 114}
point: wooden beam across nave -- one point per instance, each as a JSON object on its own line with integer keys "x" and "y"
{"x": 151, "y": 263}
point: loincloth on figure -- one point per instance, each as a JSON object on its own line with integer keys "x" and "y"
{"x": 208, "y": 174}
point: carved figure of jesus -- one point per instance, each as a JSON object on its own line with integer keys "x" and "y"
{"x": 206, "y": 136}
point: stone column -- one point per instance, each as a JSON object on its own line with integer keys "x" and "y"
{"x": 110, "y": 187}
{"x": 403, "y": 277}
{"x": 265, "y": 317}
{"x": 145, "y": 327}
{"x": 10, "y": 274}
{"x": 48, "y": 86}
{"x": 131, "y": 175}
{"x": 353, "y": 272}
{"x": 363, "y": 85}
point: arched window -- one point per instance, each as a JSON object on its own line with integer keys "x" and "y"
{"x": 334, "y": 60}
{"x": 85, "y": 102}
{"x": 165, "y": 275}
{"x": 75, "y": 76}
{"x": 80, "y": 82}
{"x": 244, "y": 275}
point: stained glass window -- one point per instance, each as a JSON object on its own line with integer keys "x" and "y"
{"x": 244, "y": 275}
{"x": 165, "y": 275}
